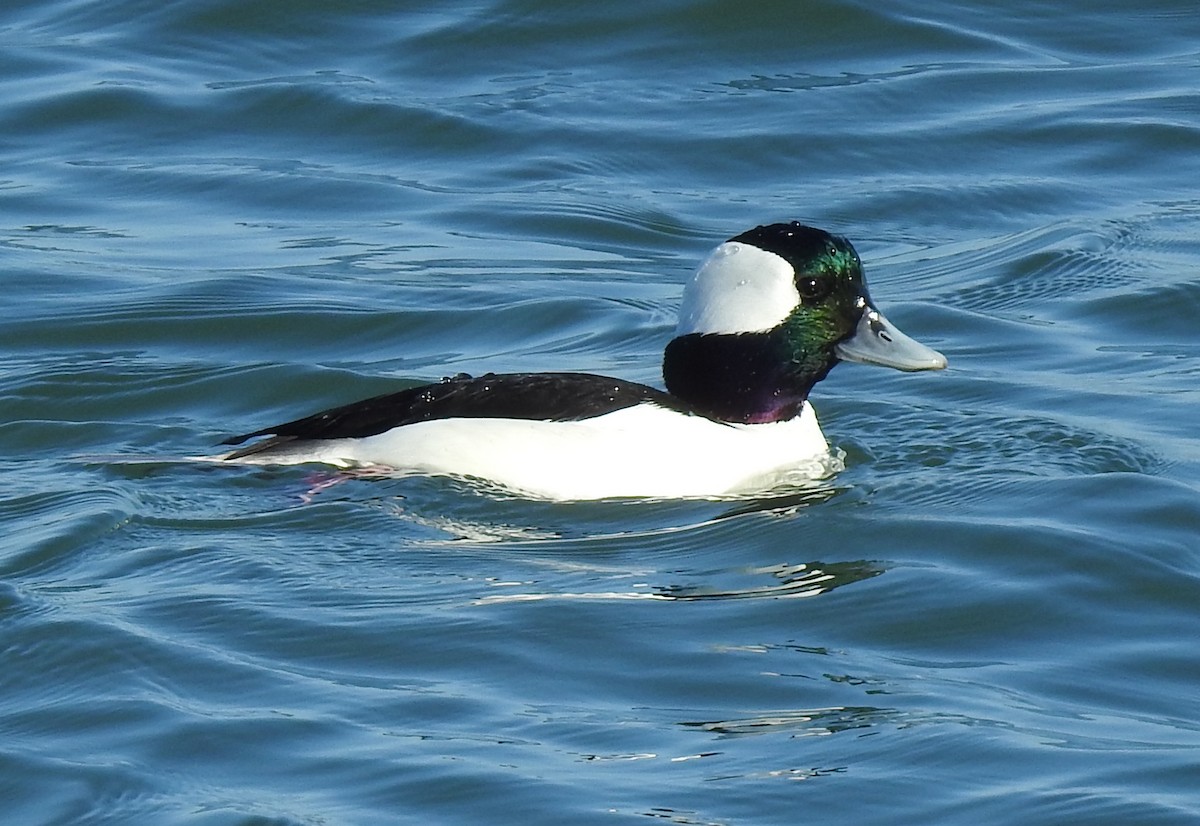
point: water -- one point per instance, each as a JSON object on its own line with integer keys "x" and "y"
{"x": 218, "y": 215}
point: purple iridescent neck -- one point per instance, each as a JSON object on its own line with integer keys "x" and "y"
{"x": 749, "y": 378}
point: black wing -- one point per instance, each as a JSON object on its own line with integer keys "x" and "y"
{"x": 557, "y": 397}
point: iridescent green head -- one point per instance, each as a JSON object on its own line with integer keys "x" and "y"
{"x": 769, "y": 314}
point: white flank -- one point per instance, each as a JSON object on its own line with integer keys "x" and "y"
{"x": 642, "y": 451}
{"x": 738, "y": 289}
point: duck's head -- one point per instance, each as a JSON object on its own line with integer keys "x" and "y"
{"x": 768, "y": 314}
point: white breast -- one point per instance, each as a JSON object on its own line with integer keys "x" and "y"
{"x": 642, "y": 451}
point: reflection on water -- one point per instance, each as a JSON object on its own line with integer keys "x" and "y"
{"x": 799, "y": 722}
{"x": 784, "y": 581}
{"x": 806, "y": 579}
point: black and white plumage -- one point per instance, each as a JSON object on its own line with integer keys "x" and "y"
{"x": 765, "y": 317}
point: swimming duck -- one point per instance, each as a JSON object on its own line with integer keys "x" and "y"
{"x": 764, "y": 318}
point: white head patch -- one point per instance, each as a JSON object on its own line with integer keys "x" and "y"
{"x": 738, "y": 289}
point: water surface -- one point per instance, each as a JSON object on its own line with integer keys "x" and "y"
{"x": 218, "y": 215}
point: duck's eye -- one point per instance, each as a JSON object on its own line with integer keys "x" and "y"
{"x": 813, "y": 288}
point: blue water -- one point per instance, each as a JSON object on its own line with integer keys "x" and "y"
{"x": 216, "y": 215}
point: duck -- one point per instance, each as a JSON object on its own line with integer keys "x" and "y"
{"x": 764, "y": 318}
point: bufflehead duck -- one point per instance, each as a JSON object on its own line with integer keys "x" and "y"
{"x": 765, "y": 317}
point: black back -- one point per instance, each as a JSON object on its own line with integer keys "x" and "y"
{"x": 555, "y": 397}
